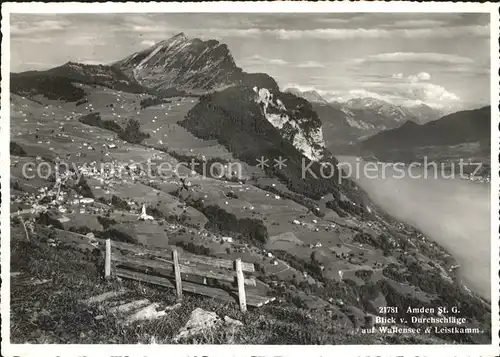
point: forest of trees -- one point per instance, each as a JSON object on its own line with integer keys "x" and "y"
{"x": 132, "y": 132}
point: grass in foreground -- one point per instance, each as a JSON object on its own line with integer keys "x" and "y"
{"x": 52, "y": 312}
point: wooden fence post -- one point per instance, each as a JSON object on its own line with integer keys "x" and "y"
{"x": 25, "y": 229}
{"x": 241, "y": 286}
{"x": 107, "y": 263}
{"x": 177, "y": 271}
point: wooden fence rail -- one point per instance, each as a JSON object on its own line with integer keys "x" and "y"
{"x": 218, "y": 278}
{"x": 152, "y": 267}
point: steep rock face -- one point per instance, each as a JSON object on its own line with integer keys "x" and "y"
{"x": 249, "y": 124}
{"x": 305, "y": 133}
{"x": 191, "y": 65}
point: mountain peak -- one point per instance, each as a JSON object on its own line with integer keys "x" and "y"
{"x": 190, "y": 65}
{"x": 177, "y": 39}
{"x": 179, "y": 36}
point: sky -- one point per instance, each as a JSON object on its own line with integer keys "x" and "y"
{"x": 442, "y": 60}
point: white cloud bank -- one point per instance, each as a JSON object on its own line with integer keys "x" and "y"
{"x": 398, "y": 89}
{"x": 349, "y": 34}
{"x": 420, "y": 57}
{"x": 451, "y": 32}
{"x": 148, "y": 43}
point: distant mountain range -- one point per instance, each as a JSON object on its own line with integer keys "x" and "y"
{"x": 182, "y": 66}
{"x": 58, "y": 83}
{"x": 245, "y": 112}
{"x": 311, "y": 95}
{"x": 456, "y": 129}
{"x": 384, "y": 113}
{"x": 361, "y": 117}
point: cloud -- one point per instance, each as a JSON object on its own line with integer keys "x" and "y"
{"x": 147, "y": 28}
{"x": 358, "y": 93}
{"x": 37, "y": 40}
{"x": 398, "y": 89}
{"x": 415, "y": 57}
{"x": 92, "y": 62}
{"x": 277, "y": 62}
{"x": 375, "y": 33}
{"x": 416, "y": 93}
{"x": 41, "y": 65}
{"x": 330, "y": 20}
{"x": 19, "y": 28}
{"x": 231, "y": 32}
{"x": 431, "y": 92}
{"x": 258, "y": 60}
{"x": 148, "y": 43}
{"x": 416, "y": 23}
{"x": 317, "y": 33}
{"x": 422, "y": 76}
{"x": 309, "y": 64}
{"x": 83, "y": 40}
{"x": 467, "y": 70}
{"x": 413, "y": 88}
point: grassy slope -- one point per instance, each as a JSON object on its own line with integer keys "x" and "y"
{"x": 74, "y": 284}
{"x": 52, "y": 313}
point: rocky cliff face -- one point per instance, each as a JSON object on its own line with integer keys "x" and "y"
{"x": 254, "y": 122}
{"x": 191, "y": 65}
{"x": 304, "y": 132}
{"x": 197, "y": 66}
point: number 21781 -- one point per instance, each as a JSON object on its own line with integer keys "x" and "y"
{"x": 387, "y": 310}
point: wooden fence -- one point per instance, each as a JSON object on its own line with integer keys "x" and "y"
{"x": 185, "y": 272}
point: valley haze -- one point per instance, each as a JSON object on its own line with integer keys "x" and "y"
{"x": 201, "y": 178}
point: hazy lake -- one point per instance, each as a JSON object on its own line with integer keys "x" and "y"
{"x": 453, "y": 212}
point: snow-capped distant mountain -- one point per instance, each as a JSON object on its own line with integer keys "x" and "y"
{"x": 366, "y": 113}
{"x": 344, "y": 123}
{"x": 379, "y": 107}
{"x": 420, "y": 113}
{"x": 310, "y": 95}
